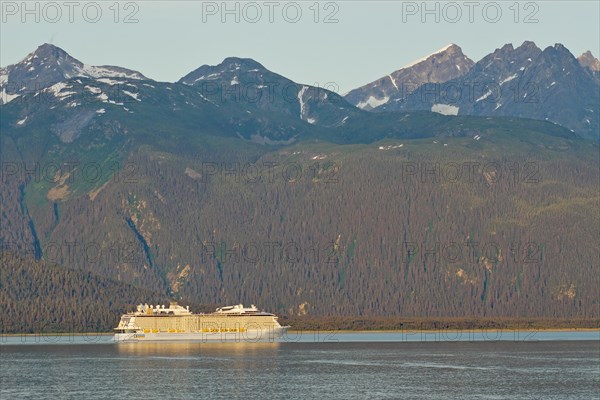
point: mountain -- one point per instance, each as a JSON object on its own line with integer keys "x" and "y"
{"x": 48, "y": 65}
{"x": 112, "y": 108}
{"x": 589, "y": 61}
{"x": 245, "y": 81}
{"x": 501, "y": 66}
{"x": 440, "y": 66}
{"x": 185, "y": 191}
{"x": 521, "y": 82}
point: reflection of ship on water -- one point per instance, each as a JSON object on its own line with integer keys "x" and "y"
{"x": 192, "y": 348}
{"x": 232, "y": 323}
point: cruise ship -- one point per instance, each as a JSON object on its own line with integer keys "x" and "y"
{"x": 232, "y": 323}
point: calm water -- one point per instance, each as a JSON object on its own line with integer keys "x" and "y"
{"x": 356, "y": 366}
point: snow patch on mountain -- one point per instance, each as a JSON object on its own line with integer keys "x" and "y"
{"x": 301, "y": 100}
{"x": 105, "y": 71}
{"x": 109, "y": 81}
{"x": 132, "y": 95}
{"x": 93, "y": 90}
{"x": 373, "y": 102}
{"x": 484, "y": 96}
{"x": 3, "y": 76}
{"x": 510, "y": 78}
{"x": 445, "y": 109}
{"x": 7, "y": 97}
{"x": 393, "y": 81}
{"x": 391, "y": 146}
{"x": 57, "y": 90}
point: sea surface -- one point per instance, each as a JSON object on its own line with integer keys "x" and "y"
{"x": 315, "y": 365}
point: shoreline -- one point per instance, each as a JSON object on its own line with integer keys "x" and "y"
{"x": 313, "y": 331}
{"x": 446, "y": 330}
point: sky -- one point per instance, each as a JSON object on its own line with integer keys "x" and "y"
{"x": 335, "y": 44}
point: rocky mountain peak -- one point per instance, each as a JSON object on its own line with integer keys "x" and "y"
{"x": 231, "y": 71}
{"x": 387, "y": 92}
{"x": 508, "y": 47}
{"x": 49, "y": 51}
{"x": 449, "y": 51}
{"x": 528, "y": 45}
{"x": 588, "y": 60}
{"x": 48, "y": 65}
{"x": 559, "y": 55}
{"x": 243, "y": 63}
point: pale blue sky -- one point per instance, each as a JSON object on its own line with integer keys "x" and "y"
{"x": 369, "y": 40}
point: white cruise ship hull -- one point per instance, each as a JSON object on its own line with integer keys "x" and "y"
{"x": 251, "y": 336}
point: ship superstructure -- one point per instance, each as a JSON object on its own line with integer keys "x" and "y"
{"x": 231, "y": 323}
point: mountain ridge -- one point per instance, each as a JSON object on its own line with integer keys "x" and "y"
{"x": 525, "y": 81}
{"x": 402, "y": 90}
